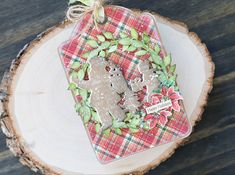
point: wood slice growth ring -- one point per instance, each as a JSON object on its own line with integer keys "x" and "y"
{"x": 53, "y": 141}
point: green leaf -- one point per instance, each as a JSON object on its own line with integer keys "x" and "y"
{"x": 124, "y": 48}
{"x": 86, "y": 55}
{"x": 101, "y": 38}
{"x": 118, "y": 131}
{"x": 93, "y": 43}
{"x": 117, "y": 124}
{"x": 86, "y": 2}
{"x": 167, "y": 60}
{"x": 146, "y": 37}
{"x": 95, "y": 116}
{"x": 75, "y": 65}
{"x": 162, "y": 77}
{"x": 173, "y": 68}
{"x": 135, "y": 122}
{"x": 85, "y": 113}
{"x": 83, "y": 93}
{"x": 81, "y": 74}
{"x": 157, "y": 49}
{"x": 93, "y": 54}
{"x": 108, "y": 35}
{"x": 74, "y": 74}
{"x": 107, "y": 132}
{"x": 72, "y": 86}
{"x": 170, "y": 83}
{"x": 136, "y": 43}
{"x": 76, "y": 92}
{"x": 157, "y": 59}
{"x": 173, "y": 78}
{"x": 128, "y": 117}
{"x": 141, "y": 53}
{"x": 176, "y": 88}
{"x": 86, "y": 118}
{"x": 134, "y": 34}
{"x": 146, "y": 126}
{"x": 131, "y": 49}
{"x": 104, "y": 45}
{"x": 123, "y": 35}
{"x": 112, "y": 49}
{"x": 102, "y": 54}
{"x": 125, "y": 41}
{"x": 85, "y": 66}
{"x": 97, "y": 127}
{"x": 134, "y": 130}
{"x": 72, "y": 1}
{"x": 77, "y": 107}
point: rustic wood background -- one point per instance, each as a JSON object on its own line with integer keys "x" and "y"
{"x": 211, "y": 147}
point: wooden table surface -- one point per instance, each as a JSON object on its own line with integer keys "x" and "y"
{"x": 211, "y": 147}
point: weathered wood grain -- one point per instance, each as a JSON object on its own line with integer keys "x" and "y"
{"x": 210, "y": 149}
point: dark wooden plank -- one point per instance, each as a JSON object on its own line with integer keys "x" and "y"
{"x": 210, "y": 149}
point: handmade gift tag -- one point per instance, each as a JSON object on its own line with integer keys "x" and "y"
{"x": 123, "y": 82}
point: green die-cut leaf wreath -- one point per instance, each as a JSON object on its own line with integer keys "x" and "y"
{"x": 103, "y": 46}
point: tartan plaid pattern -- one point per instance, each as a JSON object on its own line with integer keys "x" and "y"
{"x": 120, "y": 19}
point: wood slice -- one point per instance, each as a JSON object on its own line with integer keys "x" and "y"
{"x": 42, "y": 127}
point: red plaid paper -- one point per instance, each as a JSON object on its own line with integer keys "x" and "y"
{"x": 122, "y": 20}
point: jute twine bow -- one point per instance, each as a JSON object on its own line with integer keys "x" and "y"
{"x": 75, "y": 12}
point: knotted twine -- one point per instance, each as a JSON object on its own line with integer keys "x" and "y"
{"x": 75, "y": 12}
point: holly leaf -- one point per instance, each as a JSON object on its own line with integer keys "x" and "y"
{"x": 134, "y": 34}
{"x": 101, "y": 38}
{"x": 140, "y": 53}
{"x": 108, "y": 35}
{"x": 93, "y": 43}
